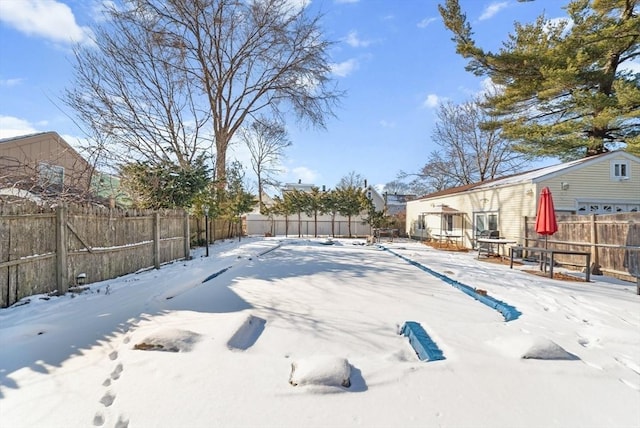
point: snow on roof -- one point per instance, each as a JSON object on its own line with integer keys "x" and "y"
{"x": 535, "y": 174}
{"x": 528, "y": 176}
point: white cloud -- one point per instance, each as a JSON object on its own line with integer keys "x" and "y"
{"x": 44, "y": 18}
{"x": 387, "y": 124}
{"x": 425, "y": 22}
{"x": 431, "y": 101}
{"x": 345, "y": 68}
{"x": 304, "y": 174}
{"x": 14, "y": 127}
{"x": 492, "y": 9}
{"x": 296, "y": 5}
{"x": 488, "y": 87}
{"x": 10, "y": 82}
{"x": 99, "y": 10}
{"x": 353, "y": 40}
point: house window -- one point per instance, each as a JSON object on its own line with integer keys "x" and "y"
{"x": 448, "y": 222}
{"x": 493, "y": 221}
{"x": 485, "y": 221}
{"x": 421, "y": 222}
{"x": 620, "y": 170}
{"x": 50, "y": 174}
{"x": 606, "y": 208}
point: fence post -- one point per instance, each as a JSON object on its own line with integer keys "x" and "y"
{"x": 62, "y": 272}
{"x": 595, "y": 259}
{"x": 156, "y": 239}
{"x": 187, "y": 236}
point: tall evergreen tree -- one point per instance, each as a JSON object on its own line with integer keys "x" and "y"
{"x": 297, "y": 200}
{"x": 315, "y": 206}
{"x": 282, "y": 206}
{"x": 330, "y": 203}
{"x": 166, "y": 184}
{"x": 567, "y": 91}
{"x": 351, "y": 201}
{"x": 237, "y": 201}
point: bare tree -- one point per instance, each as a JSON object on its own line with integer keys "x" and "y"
{"x": 266, "y": 141}
{"x": 469, "y": 153}
{"x": 131, "y": 91}
{"x": 352, "y": 179}
{"x": 243, "y": 57}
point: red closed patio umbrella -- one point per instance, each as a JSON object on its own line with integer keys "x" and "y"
{"x": 546, "y": 223}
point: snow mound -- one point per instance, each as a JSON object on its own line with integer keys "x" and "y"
{"x": 546, "y": 349}
{"x": 321, "y": 370}
{"x": 172, "y": 340}
{"x": 531, "y": 347}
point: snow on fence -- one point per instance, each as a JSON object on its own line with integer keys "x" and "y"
{"x": 47, "y": 250}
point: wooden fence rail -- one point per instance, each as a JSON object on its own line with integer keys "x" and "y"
{"x": 612, "y": 239}
{"x": 47, "y": 250}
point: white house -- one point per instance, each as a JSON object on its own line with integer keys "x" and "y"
{"x": 603, "y": 184}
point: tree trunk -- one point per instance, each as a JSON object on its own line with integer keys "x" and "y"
{"x": 286, "y": 226}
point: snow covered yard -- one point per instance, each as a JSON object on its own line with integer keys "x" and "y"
{"x": 329, "y": 311}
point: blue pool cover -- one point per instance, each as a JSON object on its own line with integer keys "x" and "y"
{"x": 509, "y": 312}
{"x": 424, "y": 346}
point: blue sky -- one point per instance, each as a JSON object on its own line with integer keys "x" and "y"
{"x": 394, "y": 58}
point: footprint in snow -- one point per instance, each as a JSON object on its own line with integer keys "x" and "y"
{"x": 107, "y": 399}
{"x": 122, "y": 423}
{"x": 115, "y": 374}
{"x": 98, "y": 419}
{"x": 630, "y": 384}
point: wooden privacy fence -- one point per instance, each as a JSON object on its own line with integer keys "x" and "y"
{"x": 46, "y": 250}
{"x": 218, "y": 229}
{"x": 613, "y": 239}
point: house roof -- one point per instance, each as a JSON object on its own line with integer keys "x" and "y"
{"x": 28, "y": 139}
{"x": 443, "y": 209}
{"x": 395, "y": 199}
{"x": 21, "y": 137}
{"x": 532, "y": 176}
{"x": 304, "y": 187}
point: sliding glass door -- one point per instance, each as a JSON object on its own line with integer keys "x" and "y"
{"x": 484, "y": 221}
